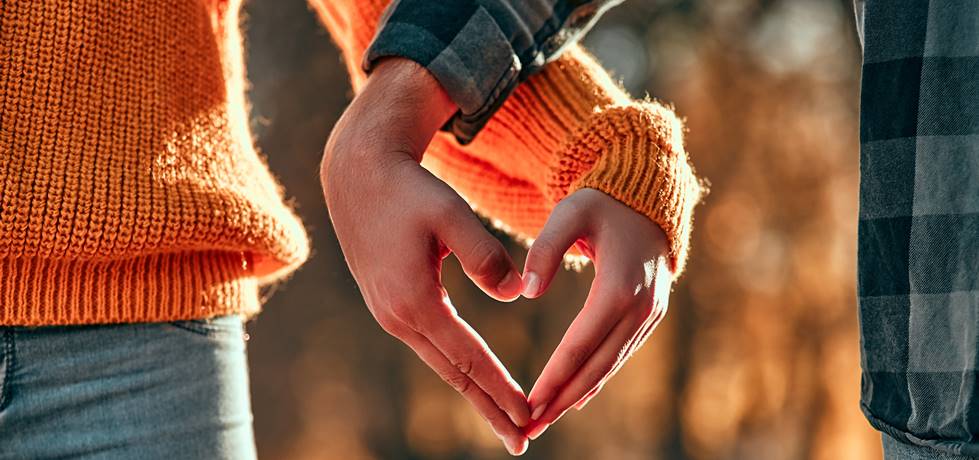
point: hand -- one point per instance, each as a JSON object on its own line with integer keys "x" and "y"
{"x": 395, "y": 222}
{"x": 627, "y": 299}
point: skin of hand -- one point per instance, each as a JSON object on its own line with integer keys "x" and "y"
{"x": 627, "y": 299}
{"x": 396, "y": 222}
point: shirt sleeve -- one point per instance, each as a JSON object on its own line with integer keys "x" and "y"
{"x": 480, "y": 50}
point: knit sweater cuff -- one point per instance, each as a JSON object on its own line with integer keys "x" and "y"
{"x": 635, "y": 154}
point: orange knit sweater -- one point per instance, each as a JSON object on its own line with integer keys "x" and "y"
{"x": 129, "y": 187}
{"x": 130, "y": 190}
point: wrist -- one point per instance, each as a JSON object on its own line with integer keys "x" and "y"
{"x": 404, "y": 104}
{"x": 392, "y": 119}
{"x": 644, "y": 139}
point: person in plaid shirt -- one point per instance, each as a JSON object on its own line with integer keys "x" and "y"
{"x": 918, "y": 256}
{"x": 918, "y": 250}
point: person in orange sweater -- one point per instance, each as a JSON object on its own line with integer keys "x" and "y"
{"x": 137, "y": 221}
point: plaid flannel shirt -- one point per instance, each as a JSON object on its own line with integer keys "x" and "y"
{"x": 918, "y": 251}
{"x": 480, "y": 50}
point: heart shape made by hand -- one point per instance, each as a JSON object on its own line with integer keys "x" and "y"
{"x": 626, "y": 301}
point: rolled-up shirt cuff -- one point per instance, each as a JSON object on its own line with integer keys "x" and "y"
{"x": 480, "y": 51}
{"x": 469, "y": 56}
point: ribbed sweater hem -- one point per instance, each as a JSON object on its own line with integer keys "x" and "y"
{"x": 151, "y": 288}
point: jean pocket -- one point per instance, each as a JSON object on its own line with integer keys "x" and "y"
{"x": 217, "y": 327}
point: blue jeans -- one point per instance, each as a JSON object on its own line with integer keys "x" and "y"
{"x": 150, "y": 391}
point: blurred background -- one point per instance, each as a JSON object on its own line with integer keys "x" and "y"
{"x": 758, "y": 357}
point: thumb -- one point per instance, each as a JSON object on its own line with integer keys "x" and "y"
{"x": 482, "y": 256}
{"x": 566, "y": 224}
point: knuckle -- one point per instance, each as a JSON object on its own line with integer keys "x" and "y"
{"x": 544, "y": 250}
{"x": 418, "y": 310}
{"x": 406, "y": 313}
{"x": 464, "y": 366}
{"x": 577, "y": 355}
{"x": 623, "y": 287}
{"x": 434, "y": 316}
{"x": 390, "y": 324}
{"x": 489, "y": 257}
{"x": 458, "y": 381}
{"x": 571, "y": 206}
{"x": 622, "y": 294}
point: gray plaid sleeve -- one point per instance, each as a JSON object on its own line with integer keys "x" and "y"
{"x": 918, "y": 251}
{"x": 480, "y": 50}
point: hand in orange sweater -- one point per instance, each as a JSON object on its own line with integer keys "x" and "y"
{"x": 565, "y": 132}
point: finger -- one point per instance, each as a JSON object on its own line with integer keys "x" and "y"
{"x": 634, "y": 344}
{"x": 512, "y": 437}
{"x": 588, "y": 376}
{"x": 663, "y": 281}
{"x": 602, "y": 311}
{"x": 483, "y": 257}
{"x": 468, "y": 353}
{"x": 563, "y": 228}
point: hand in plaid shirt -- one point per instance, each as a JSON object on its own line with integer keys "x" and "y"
{"x": 919, "y": 192}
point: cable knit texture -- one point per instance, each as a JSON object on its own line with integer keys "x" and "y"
{"x": 566, "y": 128}
{"x": 129, "y": 187}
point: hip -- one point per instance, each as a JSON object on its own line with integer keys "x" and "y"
{"x": 148, "y": 390}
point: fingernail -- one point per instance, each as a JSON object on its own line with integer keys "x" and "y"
{"x": 538, "y": 430}
{"x": 510, "y": 283}
{"x": 531, "y": 285}
{"x": 522, "y": 445}
{"x": 538, "y": 411}
{"x": 514, "y": 447}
